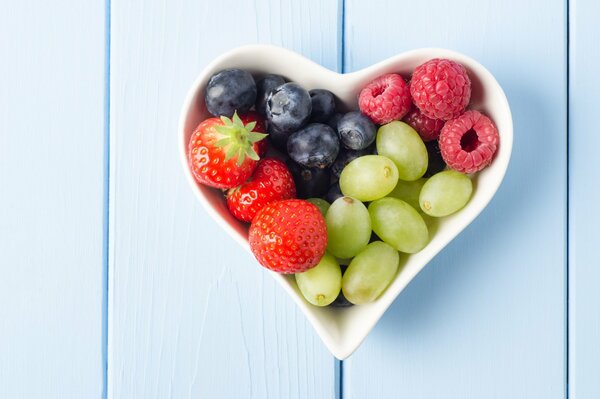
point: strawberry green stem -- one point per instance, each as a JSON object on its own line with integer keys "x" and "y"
{"x": 238, "y": 139}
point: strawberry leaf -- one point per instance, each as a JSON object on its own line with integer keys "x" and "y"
{"x": 250, "y": 126}
{"x": 240, "y": 156}
{"x": 222, "y": 143}
{"x": 253, "y": 137}
{"x": 226, "y": 121}
{"x": 252, "y": 154}
{"x": 237, "y": 121}
{"x": 230, "y": 153}
{"x": 224, "y": 130}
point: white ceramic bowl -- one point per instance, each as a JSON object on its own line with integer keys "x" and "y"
{"x": 343, "y": 329}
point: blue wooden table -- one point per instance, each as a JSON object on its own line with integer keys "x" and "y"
{"x": 115, "y": 283}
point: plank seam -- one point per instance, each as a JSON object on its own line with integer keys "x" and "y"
{"x": 568, "y": 195}
{"x": 106, "y": 208}
{"x": 343, "y": 36}
{"x": 339, "y": 375}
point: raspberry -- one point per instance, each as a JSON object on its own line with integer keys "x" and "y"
{"x": 469, "y": 142}
{"x": 385, "y": 99}
{"x": 441, "y": 88}
{"x": 429, "y": 129}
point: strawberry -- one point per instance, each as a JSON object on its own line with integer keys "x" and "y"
{"x": 288, "y": 236}
{"x": 223, "y": 152}
{"x": 271, "y": 181}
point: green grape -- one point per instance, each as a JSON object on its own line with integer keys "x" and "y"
{"x": 445, "y": 193}
{"x": 370, "y": 272}
{"x": 403, "y": 145}
{"x": 369, "y": 177}
{"x": 408, "y": 191}
{"x": 348, "y": 227}
{"x": 321, "y": 284}
{"x": 321, "y": 204}
{"x": 399, "y": 225}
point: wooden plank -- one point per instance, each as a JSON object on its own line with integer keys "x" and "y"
{"x": 192, "y": 315}
{"x": 584, "y": 193}
{"x": 486, "y": 318}
{"x": 52, "y": 171}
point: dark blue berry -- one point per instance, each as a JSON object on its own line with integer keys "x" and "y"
{"x": 230, "y": 90}
{"x": 345, "y": 156}
{"x": 323, "y": 105}
{"x": 315, "y": 146}
{"x": 356, "y": 130}
{"x": 277, "y": 138}
{"x": 264, "y": 88}
{"x": 374, "y": 237}
{"x": 333, "y": 193}
{"x": 341, "y": 301}
{"x": 333, "y": 121}
{"x": 310, "y": 182}
{"x": 436, "y": 162}
{"x": 288, "y": 107}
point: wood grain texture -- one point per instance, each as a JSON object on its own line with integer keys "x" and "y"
{"x": 584, "y": 195}
{"x": 192, "y": 315}
{"x": 52, "y": 171}
{"x": 486, "y": 318}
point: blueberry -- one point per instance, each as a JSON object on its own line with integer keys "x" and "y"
{"x": 345, "y": 156}
{"x": 264, "y": 88}
{"x": 316, "y": 145}
{"x": 356, "y": 130}
{"x": 323, "y": 105}
{"x": 310, "y": 182}
{"x": 374, "y": 237}
{"x": 288, "y": 107}
{"x": 436, "y": 162}
{"x": 341, "y": 301}
{"x": 333, "y": 193}
{"x": 277, "y": 138}
{"x": 333, "y": 121}
{"x": 230, "y": 90}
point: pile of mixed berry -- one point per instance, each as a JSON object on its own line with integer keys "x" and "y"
{"x": 334, "y": 196}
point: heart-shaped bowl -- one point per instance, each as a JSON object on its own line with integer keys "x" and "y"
{"x": 343, "y": 329}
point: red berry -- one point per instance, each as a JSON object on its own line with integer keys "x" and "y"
{"x": 288, "y": 236}
{"x": 441, "y": 88}
{"x": 429, "y": 129}
{"x": 469, "y": 142}
{"x": 271, "y": 181}
{"x": 385, "y": 99}
{"x": 222, "y": 152}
